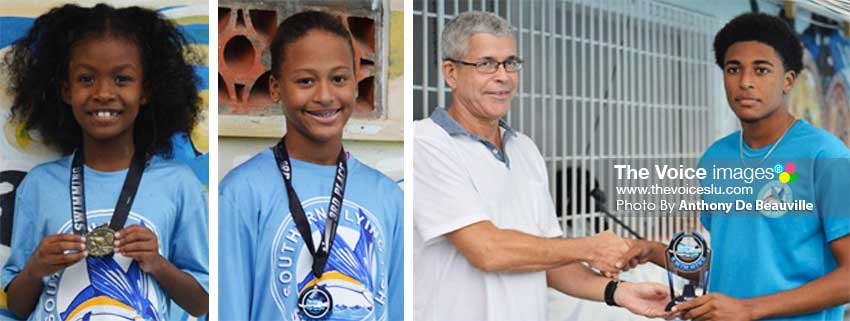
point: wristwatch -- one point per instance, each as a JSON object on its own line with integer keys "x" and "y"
{"x": 609, "y": 292}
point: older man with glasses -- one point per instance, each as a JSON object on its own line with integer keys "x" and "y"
{"x": 486, "y": 239}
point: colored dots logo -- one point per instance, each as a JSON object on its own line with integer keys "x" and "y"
{"x": 787, "y": 173}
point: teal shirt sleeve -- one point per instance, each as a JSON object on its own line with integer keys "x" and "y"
{"x": 832, "y": 195}
{"x": 26, "y": 236}
{"x": 26, "y": 233}
{"x": 190, "y": 245}
{"x": 396, "y": 276}
{"x": 237, "y": 233}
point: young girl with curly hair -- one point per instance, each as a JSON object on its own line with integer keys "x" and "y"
{"x": 114, "y": 228}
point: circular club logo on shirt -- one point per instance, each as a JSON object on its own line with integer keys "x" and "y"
{"x": 101, "y": 288}
{"x": 355, "y": 275}
{"x": 775, "y": 192}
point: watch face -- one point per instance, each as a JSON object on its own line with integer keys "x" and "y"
{"x": 688, "y": 249}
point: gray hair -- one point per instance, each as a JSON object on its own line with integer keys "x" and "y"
{"x": 455, "y": 37}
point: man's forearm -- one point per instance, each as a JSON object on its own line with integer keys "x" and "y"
{"x": 579, "y": 281}
{"x": 828, "y": 291}
{"x": 513, "y": 251}
{"x": 496, "y": 250}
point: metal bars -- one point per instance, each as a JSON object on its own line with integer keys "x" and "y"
{"x": 604, "y": 81}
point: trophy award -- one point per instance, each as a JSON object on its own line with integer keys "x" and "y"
{"x": 688, "y": 253}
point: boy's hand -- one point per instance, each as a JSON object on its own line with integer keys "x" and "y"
{"x": 140, "y": 243}
{"x": 715, "y": 306}
{"x": 640, "y": 252}
{"x": 54, "y": 253}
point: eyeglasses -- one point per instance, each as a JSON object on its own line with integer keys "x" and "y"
{"x": 489, "y": 66}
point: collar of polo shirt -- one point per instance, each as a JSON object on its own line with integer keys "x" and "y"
{"x": 441, "y": 117}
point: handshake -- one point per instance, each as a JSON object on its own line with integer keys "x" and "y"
{"x": 610, "y": 255}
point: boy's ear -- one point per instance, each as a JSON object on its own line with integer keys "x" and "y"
{"x": 790, "y": 77}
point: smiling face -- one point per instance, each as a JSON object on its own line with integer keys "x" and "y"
{"x": 486, "y": 96}
{"x": 105, "y": 87}
{"x": 756, "y": 81}
{"x": 316, "y": 86}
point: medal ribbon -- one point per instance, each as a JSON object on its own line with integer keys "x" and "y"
{"x": 320, "y": 254}
{"x": 125, "y": 199}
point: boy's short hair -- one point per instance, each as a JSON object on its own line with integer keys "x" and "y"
{"x": 767, "y": 29}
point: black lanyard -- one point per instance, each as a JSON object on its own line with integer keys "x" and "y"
{"x": 320, "y": 254}
{"x": 125, "y": 199}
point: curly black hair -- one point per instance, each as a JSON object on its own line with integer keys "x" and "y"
{"x": 763, "y": 28}
{"x": 296, "y": 26}
{"x": 38, "y": 66}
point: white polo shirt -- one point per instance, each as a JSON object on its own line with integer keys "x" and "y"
{"x": 460, "y": 179}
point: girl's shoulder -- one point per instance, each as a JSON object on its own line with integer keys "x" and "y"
{"x": 55, "y": 168}
{"x": 370, "y": 176}
{"x": 48, "y": 176}
{"x": 169, "y": 170}
{"x": 258, "y": 167}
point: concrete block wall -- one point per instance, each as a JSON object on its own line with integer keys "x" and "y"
{"x": 250, "y": 122}
{"x": 246, "y": 30}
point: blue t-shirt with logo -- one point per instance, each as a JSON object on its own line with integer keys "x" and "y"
{"x": 264, "y": 264}
{"x": 170, "y": 201}
{"x": 771, "y": 248}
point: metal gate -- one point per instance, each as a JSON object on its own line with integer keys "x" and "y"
{"x": 604, "y": 81}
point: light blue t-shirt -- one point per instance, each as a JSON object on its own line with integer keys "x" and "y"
{"x": 170, "y": 201}
{"x": 760, "y": 252}
{"x": 264, "y": 265}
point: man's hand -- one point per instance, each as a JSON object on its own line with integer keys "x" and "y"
{"x": 646, "y": 299}
{"x": 714, "y": 306}
{"x": 604, "y": 251}
{"x": 140, "y": 243}
{"x": 54, "y": 253}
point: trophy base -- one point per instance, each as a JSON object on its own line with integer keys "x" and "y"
{"x": 675, "y": 301}
{"x": 690, "y": 293}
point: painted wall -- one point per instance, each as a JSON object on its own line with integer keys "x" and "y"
{"x": 821, "y": 94}
{"x": 383, "y": 151}
{"x": 21, "y": 150}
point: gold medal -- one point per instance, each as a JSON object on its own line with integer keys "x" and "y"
{"x": 99, "y": 242}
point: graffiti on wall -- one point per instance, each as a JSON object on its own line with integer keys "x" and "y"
{"x": 821, "y": 93}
